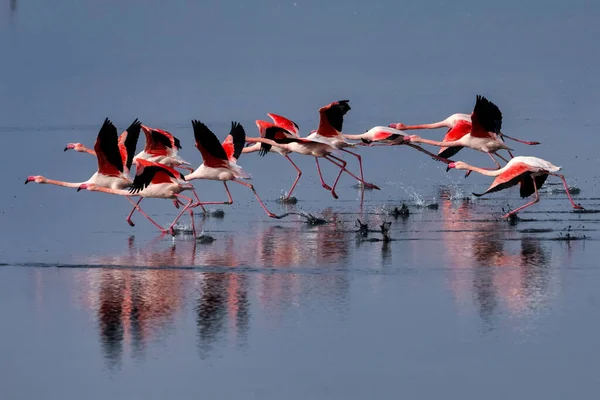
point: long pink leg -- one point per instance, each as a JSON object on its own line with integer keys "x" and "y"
{"x": 186, "y": 208}
{"x": 198, "y": 203}
{"x": 562, "y": 178}
{"x": 130, "y": 222}
{"x": 251, "y": 187}
{"x": 230, "y": 201}
{"x": 163, "y": 230}
{"x": 185, "y": 167}
{"x": 520, "y": 141}
{"x": 136, "y": 205}
{"x": 326, "y": 186}
{"x": 347, "y": 171}
{"x": 342, "y": 168}
{"x": 362, "y": 179}
{"x": 297, "y": 177}
{"x": 537, "y": 198}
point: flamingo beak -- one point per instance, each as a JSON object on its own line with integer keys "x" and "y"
{"x": 450, "y": 166}
{"x": 70, "y": 146}
{"x": 82, "y": 186}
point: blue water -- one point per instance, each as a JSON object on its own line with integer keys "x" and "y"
{"x": 459, "y": 303}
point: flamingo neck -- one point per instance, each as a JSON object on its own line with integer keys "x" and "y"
{"x": 60, "y": 183}
{"x": 483, "y": 171}
{"x": 267, "y": 141}
{"x": 120, "y": 192}
{"x": 441, "y": 144}
{"x": 434, "y": 125}
{"x": 89, "y": 151}
{"x": 352, "y": 137}
{"x": 251, "y": 149}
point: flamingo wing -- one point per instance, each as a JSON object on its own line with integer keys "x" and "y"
{"x": 486, "y": 117}
{"x": 128, "y": 142}
{"x": 512, "y": 176}
{"x": 212, "y": 151}
{"x": 107, "y": 150}
{"x": 285, "y": 123}
{"x": 148, "y": 172}
{"x": 234, "y": 142}
{"x": 332, "y": 118}
{"x": 527, "y": 188}
{"x": 277, "y": 134}
{"x": 174, "y": 142}
{"x": 460, "y": 129}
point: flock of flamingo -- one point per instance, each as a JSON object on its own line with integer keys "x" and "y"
{"x": 158, "y": 166}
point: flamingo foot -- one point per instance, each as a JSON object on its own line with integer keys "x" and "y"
{"x": 371, "y": 186}
{"x": 176, "y": 204}
{"x": 578, "y": 207}
{"x": 326, "y": 186}
{"x": 288, "y": 200}
{"x": 334, "y": 194}
{"x": 130, "y": 222}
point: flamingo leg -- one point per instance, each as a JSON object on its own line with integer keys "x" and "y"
{"x": 183, "y": 210}
{"x": 342, "y": 168}
{"x": 537, "y": 198}
{"x": 562, "y": 178}
{"x": 326, "y": 186}
{"x": 251, "y": 187}
{"x": 163, "y": 230}
{"x": 499, "y": 156}
{"x": 230, "y": 201}
{"x": 348, "y": 172}
{"x": 362, "y": 179}
{"x": 520, "y": 141}
{"x": 297, "y": 177}
{"x": 186, "y": 168}
{"x": 136, "y": 205}
{"x": 198, "y": 202}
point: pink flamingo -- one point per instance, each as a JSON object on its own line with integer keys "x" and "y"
{"x": 278, "y": 137}
{"x": 330, "y": 132}
{"x": 290, "y": 129}
{"x": 386, "y": 136}
{"x": 529, "y": 172}
{"x": 153, "y": 180}
{"x": 220, "y": 160}
{"x": 450, "y": 123}
{"x": 483, "y": 136}
{"x": 114, "y": 160}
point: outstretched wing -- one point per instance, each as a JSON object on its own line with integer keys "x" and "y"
{"x": 234, "y": 142}
{"x": 128, "y": 142}
{"x": 107, "y": 150}
{"x": 486, "y": 117}
{"x": 212, "y": 151}
{"x": 285, "y": 123}
{"x": 508, "y": 178}
{"x": 332, "y": 118}
{"x": 148, "y": 172}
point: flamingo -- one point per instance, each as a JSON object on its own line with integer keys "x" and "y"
{"x": 133, "y": 131}
{"x": 114, "y": 160}
{"x": 278, "y": 137}
{"x": 152, "y": 180}
{"x": 220, "y": 160}
{"x": 483, "y": 135}
{"x": 291, "y": 130}
{"x": 162, "y": 147}
{"x": 387, "y": 136}
{"x": 450, "y": 123}
{"x": 329, "y": 131}
{"x": 529, "y": 172}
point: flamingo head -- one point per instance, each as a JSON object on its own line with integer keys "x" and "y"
{"x": 457, "y": 165}
{"x": 84, "y": 186}
{"x": 400, "y": 126}
{"x": 74, "y": 146}
{"x": 35, "y": 178}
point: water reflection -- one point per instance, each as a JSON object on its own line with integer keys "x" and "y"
{"x": 487, "y": 265}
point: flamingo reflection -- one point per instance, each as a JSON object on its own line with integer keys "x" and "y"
{"x": 486, "y": 265}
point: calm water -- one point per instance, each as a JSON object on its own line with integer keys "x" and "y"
{"x": 458, "y": 302}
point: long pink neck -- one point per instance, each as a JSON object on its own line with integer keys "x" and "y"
{"x": 268, "y": 141}
{"x": 441, "y": 144}
{"x": 434, "y": 125}
{"x": 483, "y": 171}
{"x": 251, "y": 149}
{"x": 352, "y": 137}
{"x": 61, "y": 183}
{"x": 86, "y": 150}
{"x": 119, "y": 192}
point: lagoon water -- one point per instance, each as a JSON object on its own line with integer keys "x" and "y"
{"x": 459, "y": 303}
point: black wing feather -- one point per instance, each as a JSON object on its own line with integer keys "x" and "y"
{"x": 527, "y": 188}
{"x": 208, "y": 140}
{"x": 335, "y": 114}
{"x": 238, "y": 134}
{"x": 158, "y": 137}
{"x": 133, "y": 134}
{"x": 450, "y": 151}
{"x": 177, "y": 143}
{"x": 507, "y": 184}
{"x": 488, "y": 115}
{"x": 141, "y": 181}
{"x": 107, "y": 143}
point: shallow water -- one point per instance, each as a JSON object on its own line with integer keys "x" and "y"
{"x": 457, "y": 301}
